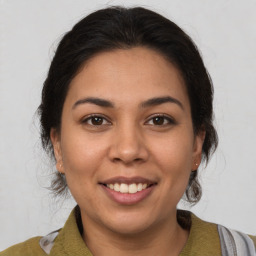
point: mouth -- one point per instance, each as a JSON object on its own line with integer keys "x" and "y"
{"x": 128, "y": 188}
{"x": 128, "y": 191}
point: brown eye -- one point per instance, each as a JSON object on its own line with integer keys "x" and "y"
{"x": 158, "y": 120}
{"x": 96, "y": 121}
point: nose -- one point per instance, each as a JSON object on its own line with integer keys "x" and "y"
{"x": 128, "y": 146}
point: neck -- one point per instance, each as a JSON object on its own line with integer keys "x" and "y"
{"x": 165, "y": 238}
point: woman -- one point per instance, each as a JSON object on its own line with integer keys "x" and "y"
{"x": 126, "y": 113}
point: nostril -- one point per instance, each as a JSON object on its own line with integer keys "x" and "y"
{"x": 128, "y": 160}
{"x": 116, "y": 159}
{"x": 138, "y": 159}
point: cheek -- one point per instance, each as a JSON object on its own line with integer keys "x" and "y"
{"x": 81, "y": 157}
{"x": 174, "y": 152}
{"x": 81, "y": 161}
{"x": 174, "y": 157}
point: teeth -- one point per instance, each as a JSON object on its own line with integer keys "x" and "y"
{"x": 125, "y": 188}
{"x": 117, "y": 187}
{"x": 133, "y": 188}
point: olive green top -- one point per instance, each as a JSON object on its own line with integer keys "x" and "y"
{"x": 203, "y": 240}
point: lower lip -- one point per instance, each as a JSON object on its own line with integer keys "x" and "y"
{"x": 126, "y": 198}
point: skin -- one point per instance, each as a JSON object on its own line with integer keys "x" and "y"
{"x": 129, "y": 141}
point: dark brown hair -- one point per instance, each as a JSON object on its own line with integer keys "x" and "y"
{"x": 123, "y": 28}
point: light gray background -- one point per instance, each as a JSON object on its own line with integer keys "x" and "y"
{"x": 225, "y": 32}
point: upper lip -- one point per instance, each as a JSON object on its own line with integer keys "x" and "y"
{"x": 128, "y": 180}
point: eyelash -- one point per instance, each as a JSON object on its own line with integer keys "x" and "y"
{"x": 167, "y": 120}
{"x": 90, "y": 118}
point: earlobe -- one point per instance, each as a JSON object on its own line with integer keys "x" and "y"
{"x": 55, "y": 139}
{"x": 198, "y": 146}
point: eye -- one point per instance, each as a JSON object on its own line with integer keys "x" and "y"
{"x": 95, "y": 120}
{"x": 160, "y": 120}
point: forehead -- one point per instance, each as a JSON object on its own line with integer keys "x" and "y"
{"x": 127, "y": 75}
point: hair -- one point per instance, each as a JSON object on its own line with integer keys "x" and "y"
{"x": 124, "y": 28}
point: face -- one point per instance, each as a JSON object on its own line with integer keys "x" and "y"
{"x": 126, "y": 144}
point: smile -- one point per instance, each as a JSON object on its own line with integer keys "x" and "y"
{"x": 128, "y": 188}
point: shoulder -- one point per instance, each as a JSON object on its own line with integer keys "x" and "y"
{"x": 27, "y": 248}
{"x": 214, "y": 239}
{"x": 236, "y": 242}
{"x": 65, "y": 241}
{"x": 203, "y": 238}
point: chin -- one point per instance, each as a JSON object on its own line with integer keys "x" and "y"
{"x": 130, "y": 224}
{"x": 126, "y": 229}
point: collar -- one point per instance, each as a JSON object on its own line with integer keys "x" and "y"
{"x": 203, "y": 238}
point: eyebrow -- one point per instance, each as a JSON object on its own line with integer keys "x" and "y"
{"x": 161, "y": 100}
{"x": 96, "y": 101}
{"x": 148, "y": 103}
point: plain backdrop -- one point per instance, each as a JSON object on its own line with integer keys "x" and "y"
{"x": 225, "y": 32}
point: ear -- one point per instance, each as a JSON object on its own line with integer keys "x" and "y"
{"x": 55, "y": 139}
{"x": 197, "y": 150}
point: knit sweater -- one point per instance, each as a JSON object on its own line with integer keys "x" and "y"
{"x": 203, "y": 240}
